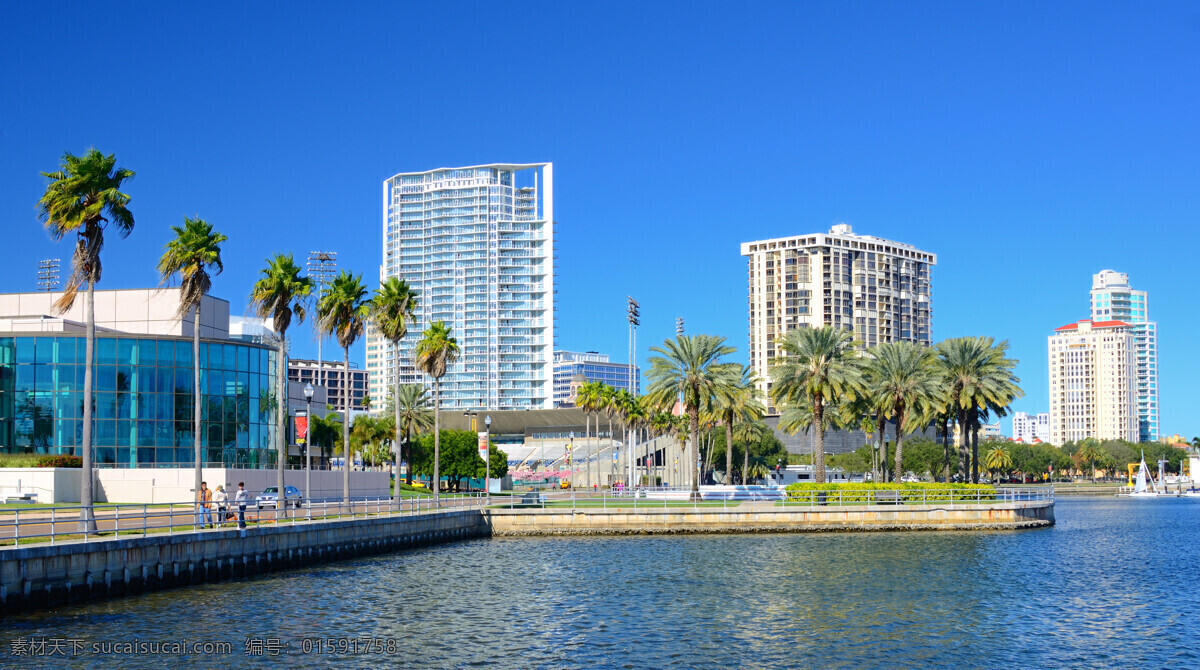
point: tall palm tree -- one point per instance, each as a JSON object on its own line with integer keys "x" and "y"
{"x": 736, "y": 403}
{"x": 84, "y": 197}
{"x": 588, "y": 398}
{"x": 818, "y": 367}
{"x": 412, "y": 414}
{"x": 607, "y": 402}
{"x": 279, "y": 294}
{"x": 978, "y": 379}
{"x": 688, "y": 368}
{"x": 749, "y": 432}
{"x": 394, "y": 308}
{"x": 343, "y": 312}
{"x": 436, "y": 351}
{"x": 905, "y": 380}
{"x": 998, "y": 458}
{"x": 195, "y": 250}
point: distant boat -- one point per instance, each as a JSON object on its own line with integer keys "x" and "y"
{"x": 1142, "y": 489}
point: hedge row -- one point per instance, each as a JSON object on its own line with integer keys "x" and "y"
{"x": 60, "y": 461}
{"x": 865, "y": 492}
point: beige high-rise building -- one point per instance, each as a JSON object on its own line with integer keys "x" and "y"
{"x": 1093, "y": 382}
{"x": 877, "y": 287}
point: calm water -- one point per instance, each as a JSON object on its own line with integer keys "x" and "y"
{"x": 1114, "y": 584}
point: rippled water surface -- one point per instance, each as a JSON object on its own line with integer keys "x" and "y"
{"x": 1114, "y": 584}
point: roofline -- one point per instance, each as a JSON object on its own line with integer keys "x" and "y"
{"x": 501, "y": 166}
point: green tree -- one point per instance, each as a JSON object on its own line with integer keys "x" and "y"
{"x": 736, "y": 403}
{"x": 435, "y": 352}
{"x": 83, "y": 198}
{"x": 393, "y": 310}
{"x": 817, "y": 366}
{"x": 195, "y": 250}
{"x": 905, "y": 383}
{"x": 343, "y": 312}
{"x": 978, "y": 379}
{"x": 590, "y": 397}
{"x": 998, "y": 460}
{"x": 413, "y": 415}
{"x": 688, "y": 368}
{"x": 279, "y": 294}
{"x": 324, "y": 431}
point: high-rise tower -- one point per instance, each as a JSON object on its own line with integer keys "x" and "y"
{"x": 477, "y": 243}
{"x": 1113, "y": 299}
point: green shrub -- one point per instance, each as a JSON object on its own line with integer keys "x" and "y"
{"x": 18, "y": 460}
{"x": 805, "y": 492}
{"x": 60, "y": 461}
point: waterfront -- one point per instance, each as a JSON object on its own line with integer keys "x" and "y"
{"x": 1110, "y": 585}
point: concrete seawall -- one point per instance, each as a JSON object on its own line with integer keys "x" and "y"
{"x": 769, "y": 518}
{"x": 41, "y": 576}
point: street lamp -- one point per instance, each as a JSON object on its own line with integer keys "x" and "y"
{"x": 571, "y": 450}
{"x": 308, "y": 396}
{"x": 487, "y": 462}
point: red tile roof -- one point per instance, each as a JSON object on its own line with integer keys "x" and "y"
{"x": 1095, "y": 324}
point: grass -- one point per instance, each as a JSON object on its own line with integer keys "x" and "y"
{"x": 19, "y": 460}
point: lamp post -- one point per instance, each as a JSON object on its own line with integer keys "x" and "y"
{"x": 308, "y": 396}
{"x": 487, "y": 462}
{"x": 571, "y": 450}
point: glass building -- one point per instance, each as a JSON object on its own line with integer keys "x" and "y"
{"x": 1114, "y": 299}
{"x": 143, "y": 397}
{"x": 571, "y": 368}
{"x": 477, "y": 244}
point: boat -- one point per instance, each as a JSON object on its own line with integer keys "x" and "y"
{"x": 1140, "y": 487}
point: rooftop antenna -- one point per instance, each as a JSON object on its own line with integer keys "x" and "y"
{"x": 321, "y": 268}
{"x": 48, "y": 274}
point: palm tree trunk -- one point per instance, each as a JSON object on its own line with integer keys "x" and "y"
{"x": 946, "y": 446}
{"x": 881, "y": 447}
{"x": 819, "y": 448}
{"x": 281, "y": 402}
{"x": 396, "y": 406}
{"x": 196, "y": 399}
{"x": 745, "y": 461}
{"x": 729, "y": 452}
{"x": 962, "y": 441}
{"x": 346, "y": 426}
{"x": 899, "y": 470}
{"x": 87, "y": 518}
{"x": 974, "y": 448}
{"x": 694, "y": 449}
{"x": 611, "y": 445}
{"x": 437, "y": 438}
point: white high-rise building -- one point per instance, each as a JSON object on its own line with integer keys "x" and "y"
{"x": 878, "y": 288}
{"x": 1113, "y": 299}
{"x": 477, "y": 243}
{"x": 1030, "y": 428}
{"x": 1093, "y": 382}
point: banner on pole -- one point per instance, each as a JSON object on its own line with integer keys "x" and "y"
{"x": 301, "y": 429}
{"x": 483, "y": 446}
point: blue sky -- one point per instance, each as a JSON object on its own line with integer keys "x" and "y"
{"x": 1029, "y": 145}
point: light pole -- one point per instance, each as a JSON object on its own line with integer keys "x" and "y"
{"x": 487, "y": 462}
{"x": 571, "y": 450}
{"x": 633, "y": 315}
{"x": 308, "y": 396}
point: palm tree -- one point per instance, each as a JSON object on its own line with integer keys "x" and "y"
{"x": 688, "y": 368}
{"x": 979, "y": 379}
{"x": 195, "y": 249}
{"x": 818, "y": 367}
{"x": 412, "y": 414}
{"x": 735, "y": 404}
{"x": 395, "y": 304}
{"x": 998, "y": 459}
{"x": 279, "y": 294}
{"x": 589, "y": 397}
{"x": 1089, "y": 452}
{"x": 84, "y": 197}
{"x": 436, "y": 351}
{"x": 749, "y": 432}
{"x": 323, "y": 431}
{"x": 905, "y": 383}
{"x": 343, "y": 312}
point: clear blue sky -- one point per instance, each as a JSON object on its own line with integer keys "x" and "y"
{"x": 1028, "y": 144}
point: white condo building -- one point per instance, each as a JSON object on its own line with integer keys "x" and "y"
{"x": 1030, "y": 428}
{"x": 1093, "y": 382}
{"x": 1113, "y": 299}
{"x": 477, "y": 243}
{"x": 879, "y": 288}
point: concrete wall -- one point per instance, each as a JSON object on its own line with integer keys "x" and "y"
{"x": 769, "y": 518}
{"x": 43, "y": 576}
{"x": 162, "y": 485}
{"x": 139, "y": 311}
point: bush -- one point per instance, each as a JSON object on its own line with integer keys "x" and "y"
{"x": 804, "y": 492}
{"x": 18, "y": 460}
{"x": 60, "y": 461}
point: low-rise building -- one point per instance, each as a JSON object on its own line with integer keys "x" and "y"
{"x": 332, "y": 376}
{"x": 1030, "y": 428}
{"x": 572, "y": 369}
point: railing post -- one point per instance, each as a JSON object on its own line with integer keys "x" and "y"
{"x": 17, "y": 526}
{"x": 53, "y": 532}
{"x": 145, "y": 520}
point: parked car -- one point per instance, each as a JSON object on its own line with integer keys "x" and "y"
{"x": 270, "y": 497}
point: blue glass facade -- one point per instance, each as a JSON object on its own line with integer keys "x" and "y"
{"x": 143, "y": 394}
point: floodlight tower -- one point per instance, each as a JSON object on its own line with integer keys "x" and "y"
{"x": 48, "y": 274}
{"x": 321, "y": 267}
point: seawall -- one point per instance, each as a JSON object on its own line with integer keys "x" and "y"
{"x": 770, "y": 518}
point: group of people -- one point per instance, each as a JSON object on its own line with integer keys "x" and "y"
{"x": 206, "y": 498}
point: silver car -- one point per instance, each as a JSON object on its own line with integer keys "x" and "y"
{"x": 270, "y": 497}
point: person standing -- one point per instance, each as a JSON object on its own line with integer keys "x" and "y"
{"x": 204, "y": 506}
{"x": 221, "y": 499}
{"x": 240, "y": 498}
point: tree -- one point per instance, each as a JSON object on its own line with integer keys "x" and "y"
{"x": 590, "y": 397}
{"x": 393, "y": 309}
{"x": 998, "y": 459}
{"x": 978, "y": 380}
{"x": 412, "y": 415}
{"x": 688, "y": 368}
{"x": 1089, "y": 452}
{"x": 343, "y": 312}
{"x": 736, "y": 404}
{"x": 278, "y": 295}
{"x": 436, "y": 351}
{"x": 905, "y": 384}
{"x": 84, "y": 197}
{"x": 195, "y": 249}
{"x": 817, "y": 366}
{"x": 324, "y": 431}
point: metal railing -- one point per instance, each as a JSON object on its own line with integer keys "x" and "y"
{"x": 60, "y": 523}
